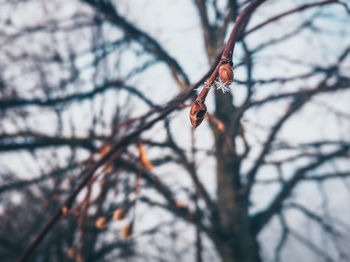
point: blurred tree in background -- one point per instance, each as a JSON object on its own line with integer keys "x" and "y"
{"x": 94, "y": 105}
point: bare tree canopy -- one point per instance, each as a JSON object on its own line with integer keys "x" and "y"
{"x": 203, "y": 130}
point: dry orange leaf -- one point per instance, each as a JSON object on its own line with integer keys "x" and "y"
{"x": 101, "y": 223}
{"x": 119, "y": 214}
{"x": 179, "y": 204}
{"x": 221, "y": 126}
{"x": 79, "y": 258}
{"x": 143, "y": 157}
{"x": 104, "y": 150}
{"x": 216, "y": 121}
{"x": 127, "y": 230}
{"x": 71, "y": 252}
{"x": 64, "y": 210}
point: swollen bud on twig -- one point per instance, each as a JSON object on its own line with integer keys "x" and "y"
{"x": 197, "y": 113}
{"x": 226, "y": 73}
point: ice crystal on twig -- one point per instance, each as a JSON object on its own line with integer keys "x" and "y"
{"x": 222, "y": 86}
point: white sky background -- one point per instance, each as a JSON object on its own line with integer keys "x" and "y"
{"x": 176, "y": 25}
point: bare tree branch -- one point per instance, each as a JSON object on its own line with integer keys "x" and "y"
{"x": 260, "y": 219}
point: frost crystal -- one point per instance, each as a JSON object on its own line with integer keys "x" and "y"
{"x": 222, "y": 86}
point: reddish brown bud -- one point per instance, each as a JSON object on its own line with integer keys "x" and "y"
{"x": 226, "y": 73}
{"x": 197, "y": 113}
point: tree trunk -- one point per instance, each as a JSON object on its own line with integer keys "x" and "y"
{"x": 235, "y": 252}
{"x": 236, "y": 242}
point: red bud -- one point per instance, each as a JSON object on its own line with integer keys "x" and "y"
{"x": 226, "y": 73}
{"x": 197, "y": 113}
